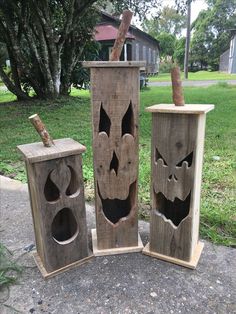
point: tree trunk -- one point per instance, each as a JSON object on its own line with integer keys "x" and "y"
{"x": 187, "y": 44}
{"x": 13, "y": 88}
{"x": 37, "y": 36}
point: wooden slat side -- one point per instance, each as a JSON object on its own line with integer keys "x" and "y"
{"x": 172, "y": 193}
{"x": 115, "y": 106}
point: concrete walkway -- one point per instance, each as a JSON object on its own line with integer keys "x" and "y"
{"x": 130, "y": 283}
{"x": 193, "y": 83}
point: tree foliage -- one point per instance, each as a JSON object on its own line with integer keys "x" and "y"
{"x": 211, "y": 36}
{"x": 168, "y": 20}
{"x": 167, "y": 45}
{"x": 139, "y": 8}
{"x": 44, "y": 39}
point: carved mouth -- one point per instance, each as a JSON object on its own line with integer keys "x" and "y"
{"x": 175, "y": 210}
{"x": 116, "y": 209}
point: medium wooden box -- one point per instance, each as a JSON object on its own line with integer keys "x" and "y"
{"x": 56, "y": 190}
{"x": 176, "y": 161}
{"x": 115, "y": 108}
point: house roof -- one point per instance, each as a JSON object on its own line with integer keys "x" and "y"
{"x": 132, "y": 29}
{"x": 108, "y": 32}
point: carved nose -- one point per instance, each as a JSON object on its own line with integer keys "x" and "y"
{"x": 172, "y": 177}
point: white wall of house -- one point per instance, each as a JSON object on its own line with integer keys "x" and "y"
{"x": 232, "y": 56}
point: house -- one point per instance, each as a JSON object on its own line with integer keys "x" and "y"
{"x": 139, "y": 46}
{"x": 228, "y": 58}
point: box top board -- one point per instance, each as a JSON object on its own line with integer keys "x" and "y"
{"x": 114, "y": 64}
{"x": 186, "y": 109}
{"x": 36, "y": 152}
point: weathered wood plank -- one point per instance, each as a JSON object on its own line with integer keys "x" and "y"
{"x": 187, "y": 109}
{"x": 173, "y": 164}
{"x": 48, "y": 275}
{"x": 114, "y": 251}
{"x": 114, "y": 64}
{"x": 115, "y": 106}
{"x": 192, "y": 264}
{"x": 36, "y": 152}
{"x": 176, "y": 160}
{"x": 58, "y": 206}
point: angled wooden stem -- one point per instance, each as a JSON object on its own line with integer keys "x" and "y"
{"x": 122, "y": 31}
{"x": 177, "y": 90}
{"x": 40, "y": 128}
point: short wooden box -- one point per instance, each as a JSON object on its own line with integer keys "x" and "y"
{"x": 55, "y": 182}
{"x": 115, "y": 107}
{"x": 176, "y": 160}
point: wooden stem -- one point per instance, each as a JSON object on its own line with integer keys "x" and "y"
{"x": 123, "y": 29}
{"x": 177, "y": 90}
{"x": 40, "y": 128}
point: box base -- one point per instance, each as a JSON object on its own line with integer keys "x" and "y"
{"x": 47, "y": 275}
{"x": 191, "y": 264}
{"x": 113, "y": 251}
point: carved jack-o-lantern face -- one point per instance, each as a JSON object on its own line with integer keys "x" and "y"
{"x": 115, "y": 157}
{"x": 173, "y": 165}
{"x": 176, "y": 176}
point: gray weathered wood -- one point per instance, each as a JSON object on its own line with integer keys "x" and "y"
{"x": 36, "y": 152}
{"x": 115, "y": 106}
{"x": 58, "y": 205}
{"x": 114, "y": 64}
{"x": 177, "y": 155}
{"x": 187, "y": 109}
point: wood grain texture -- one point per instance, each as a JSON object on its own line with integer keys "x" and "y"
{"x": 187, "y": 109}
{"x": 122, "y": 31}
{"x": 48, "y": 275}
{"x": 115, "y": 106}
{"x": 192, "y": 264}
{"x": 36, "y": 152}
{"x": 175, "y": 144}
{"x": 58, "y": 210}
{"x": 114, "y": 251}
{"x": 40, "y": 128}
{"x": 114, "y": 64}
{"x": 177, "y": 89}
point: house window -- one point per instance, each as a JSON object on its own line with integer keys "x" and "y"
{"x": 109, "y": 52}
{"x": 144, "y": 53}
{"x": 154, "y": 56}
{"x": 137, "y": 52}
{"x": 149, "y": 55}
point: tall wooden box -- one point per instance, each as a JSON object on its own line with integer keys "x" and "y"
{"x": 115, "y": 109}
{"x": 56, "y": 190}
{"x": 176, "y": 162}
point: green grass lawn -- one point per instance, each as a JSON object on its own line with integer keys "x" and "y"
{"x": 70, "y": 117}
{"x": 195, "y": 76}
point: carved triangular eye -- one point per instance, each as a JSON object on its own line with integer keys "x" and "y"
{"x": 189, "y": 160}
{"x": 104, "y": 122}
{"x": 51, "y": 191}
{"x": 128, "y": 121}
{"x": 159, "y": 156}
{"x": 114, "y": 163}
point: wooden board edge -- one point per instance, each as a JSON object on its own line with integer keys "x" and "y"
{"x": 47, "y": 275}
{"x": 192, "y": 264}
{"x": 187, "y": 109}
{"x": 115, "y": 251}
{"x": 51, "y": 154}
{"x": 113, "y": 64}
